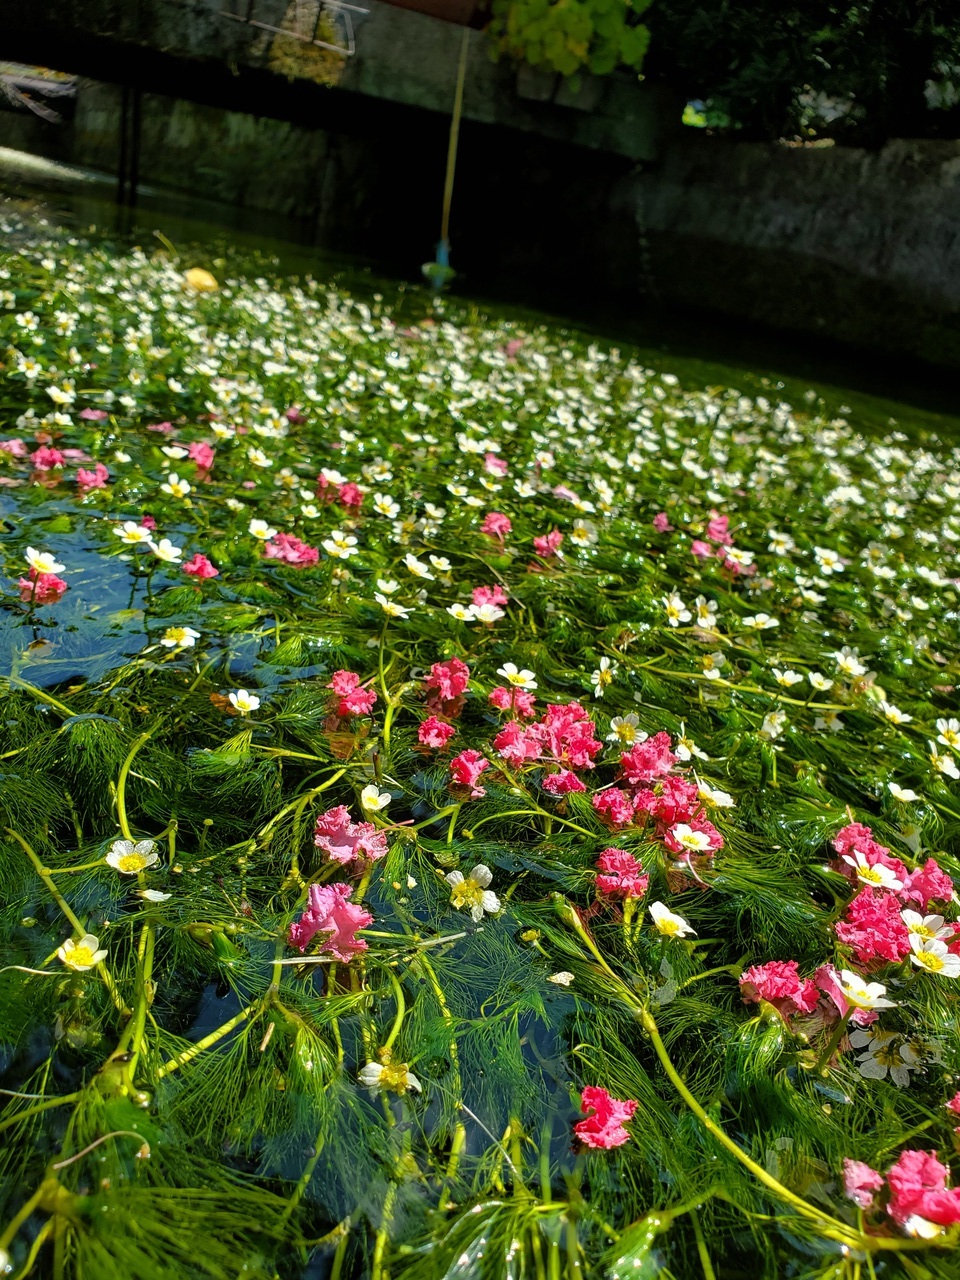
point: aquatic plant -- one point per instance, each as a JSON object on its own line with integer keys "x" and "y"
{"x": 472, "y": 805}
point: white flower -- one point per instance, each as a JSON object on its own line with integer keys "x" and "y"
{"x": 668, "y": 924}
{"x": 396, "y": 1077}
{"x": 520, "y": 679}
{"x": 391, "y": 608}
{"x": 471, "y": 894}
{"x": 584, "y": 533}
{"x": 129, "y": 858}
{"x": 694, "y": 841}
{"x": 943, "y": 764}
{"x": 419, "y": 568}
{"x": 260, "y": 529}
{"x": 165, "y": 550}
{"x": 773, "y": 725}
{"x": 932, "y": 954}
{"x": 676, "y": 610}
{"x": 133, "y": 534}
{"x": 340, "y": 545}
{"x": 603, "y": 676}
{"x": 862, "y": 994}
{"x": 877, "y": 875}
{"x": 713, "y": 664}
{"x": 243, "y": 701}
{"x": 486, "y": 612}
{"x": 706, "y": 612}
{"x": 258, "y": 457}
{"x": 626, "y": 730}
{"x": 154, "y": 895}
{"x": 828, "y": 561}
{"x": 441, "y": 564}
{"x": 462, "y": 612}
{"x": 819, "y": 682}
{"x": 830, "y": 720}
{"x": 82, "y": 955}
{"x": 175, "y": 451}
{"x": 686, "y": 749}
{"x": 886, "y": 1052}
{"x": 713, "y": 798}
{"x": 176, "y": 487}
{"x": 787, "y": 678}
{"x": 179, "y": 638}
{"x": 848, "y": 660}
{"x": 948, "y": 731}
{"x": 561, "y": 979}
{"x": 42, "y": 561}
{"x": 372, "y": 799}
{"x": 760, "y": 622}
{"x": 925, "y": 927}
{"x": 903, "y": 794}
{"x": 384, "y": 505}
{"x": 894, "y": 714}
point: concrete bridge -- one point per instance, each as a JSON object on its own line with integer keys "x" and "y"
{"x": 323, "y": 64}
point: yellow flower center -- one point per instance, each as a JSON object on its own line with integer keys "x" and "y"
{"x": 870, "y": 874}
{"x": 930, "y": 961}
{"x": 131, "y": 862}
{"x": 394, "y": 1076}
{"x": 626, "y": 732}
{"x": 466, "y": 894}
{"x": 80, "y": 956}
{"x": 669, "y": 927}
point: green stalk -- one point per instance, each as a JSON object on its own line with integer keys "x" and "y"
{"x": 137, "y": 745}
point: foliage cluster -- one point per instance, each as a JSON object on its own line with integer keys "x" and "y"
{"x": 749, "y": 576}
{"x": 859, "y": 72}
{"x": 571, "y": 36}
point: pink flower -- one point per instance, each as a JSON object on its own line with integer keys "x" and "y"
{"x": 516, "y": 743}
{"x": 290, "y": 550}
{"x": 293, "y": 414}
{"x": 672, "y": 800}
{"x": 350, "y": 495}
{"x": 148, "y": 522}
{"x": 604, "y": 1128}
{"x": 717, "y": 527}
{"x": 41, "y": 588}
{"x": 860, "y": 1182}
{"x": 622, "y": 875}
{"x": 513, "y": 699}
{"x": 828, "y": 980}
{"x": 872, "y": 855}
{"x": 202, "y": 454}
{"x": 855, "y": 836}
{"x": 548, "y": 544}
{"x": 614, "y": 807}
{"x": 434, "y": 733}
{"x": 16, "y": 448}
{"x": 567, "y": 736}
{"x": 45, "y": 458}
{"x": 648, "y": 760}
{"x": 354, "y": 700}
{"x": 465, "y": 770}
{"x": 95, "y": 479}
{"x": 92, "y": 415}
{"x": 345, "y": 841}
{"x": 701, "y": 550}
{"x": 927, "y": 884}
{"x": 494, "y": 466}
{"x": 200, "y": 567}
{"x": 496, "y": 525}
{"x": 779, "y": 983}
{"x": 449, "y": 679}
{"x": 165, "y": 428}
{"x": 873, "y": 928}
{"x": 918, "y": 1188}
{"x": 489, "y": 595}
{"x": 954, "y": 1104}
{"x": 330, "y": 911}
{"x": 661, "y": 522}
{"x": 562, "y": 783}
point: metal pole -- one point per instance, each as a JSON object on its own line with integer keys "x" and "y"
{"x": 122, "y": 157}
{"x": 454, "y": 137}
